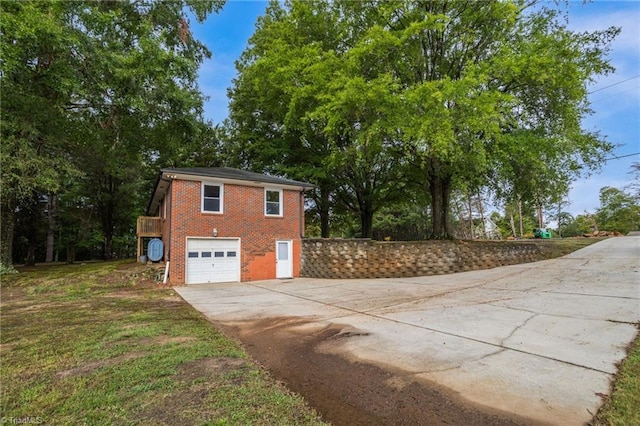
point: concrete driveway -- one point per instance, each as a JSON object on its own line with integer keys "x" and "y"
{"x": 540, "y": 339}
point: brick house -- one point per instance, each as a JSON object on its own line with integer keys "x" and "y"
{"x": 221, "y": 224}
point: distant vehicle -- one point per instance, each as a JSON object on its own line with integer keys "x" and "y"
{"x": 541, "y": 233}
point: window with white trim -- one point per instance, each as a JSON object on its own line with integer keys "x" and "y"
{"x": 273, "y": 202}
{"x": 212, "y": 197}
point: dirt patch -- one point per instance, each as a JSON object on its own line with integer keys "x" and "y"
{"x": 205, "y": 367}
{"x": 208, "y": 367}
{"x": 202, "y": 375}
{"x": 90, "y": 367}
{"x": 350, "y": 392}
{"x": 165, "y": 340}
{"x": 141, "y": 274}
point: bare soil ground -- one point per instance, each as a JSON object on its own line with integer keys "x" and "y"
{"x": 348, "y": 392}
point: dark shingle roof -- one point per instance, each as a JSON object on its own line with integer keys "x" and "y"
{"x": 235, "y": 174}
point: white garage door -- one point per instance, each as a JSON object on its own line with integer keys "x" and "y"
{"x": 212, "y": 260}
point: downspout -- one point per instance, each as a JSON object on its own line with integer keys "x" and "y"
{"x": 169, "y": 218}
{"x": 301, "y": 219}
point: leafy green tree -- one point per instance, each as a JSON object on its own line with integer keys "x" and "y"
{"x": 366, "y": 155}
{"x": 139, "y": 95}
{"x": 38, "y": 77}
{"x": 490, "y": 92}
{"x": 405, "y": 220}
{"x": 29, "y": 224}
{"x": 586, "y": 223}
{"x": 567, "y": 226}
{"x": 507, "y": 85}
{"x": 618, "y": 211}
{"x": 577, "y": 226}
{"x": 95, "y": 91}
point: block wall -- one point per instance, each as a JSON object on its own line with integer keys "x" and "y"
{"x": 338, "y": 258}
{"x": 242, "y": 217}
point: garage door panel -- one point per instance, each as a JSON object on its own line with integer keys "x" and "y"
{"x": 212, "y": 260}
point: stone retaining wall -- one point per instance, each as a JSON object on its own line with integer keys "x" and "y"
{"x": 339, "y": 258}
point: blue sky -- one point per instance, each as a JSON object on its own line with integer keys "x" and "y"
{"x": 615, "y": 102}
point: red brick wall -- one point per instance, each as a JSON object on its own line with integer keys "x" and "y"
{"x": 243, "y": 217}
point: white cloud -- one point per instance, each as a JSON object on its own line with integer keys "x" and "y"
{"x": 625, "y": 49}
{"x": 627, "y": 20}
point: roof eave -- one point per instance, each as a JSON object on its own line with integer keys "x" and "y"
{"x": 159, "y": 192}
{"x": 170, "y": 174}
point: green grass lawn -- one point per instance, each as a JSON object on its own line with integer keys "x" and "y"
{"x": 557, "y": 247}
{"x": 102, "y": 344}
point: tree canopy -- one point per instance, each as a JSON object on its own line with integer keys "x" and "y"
{"x": 93, "y": 94}
{"x": 619, "y": 211}
{"x": 390, "y": 97}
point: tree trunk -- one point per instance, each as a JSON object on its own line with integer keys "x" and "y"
{"x": 520, "y": 218}
{"x": 435, "y": 188}
{"x": 71, "y": 253}
{"x": 31, "y": 254}
{"x": 513, "y": 226}
{"x": 7, "y": 226}
{"x": 108, "y": 246}
{"x": 540, "y": 218}
{"x": 470, "y": 215}
{"x": 481, "y": 209}
{"x": 51, "y": 212}
{"x": 324, "y": 223}
{"x": 559, "y": 216}
{"x": 31, "y": 214}
{"x": 107, "y": 212}
{"x": 366, "y": 222}
{"x": 446, "y": 204}
{"x": 440, "y": 189}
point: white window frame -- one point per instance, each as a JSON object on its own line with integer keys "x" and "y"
{"x": 209, "y": 183}
{"x": 280, "y": 202}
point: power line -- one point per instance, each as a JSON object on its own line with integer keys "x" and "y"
{"x": 614, "y": 84}
{"x": 622, "y": 156}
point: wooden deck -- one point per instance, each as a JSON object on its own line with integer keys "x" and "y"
{"x": 148, "y": 227}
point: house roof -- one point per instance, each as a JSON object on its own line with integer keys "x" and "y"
{"x": 222, "y": 174}
{"x": 235, "y": 174}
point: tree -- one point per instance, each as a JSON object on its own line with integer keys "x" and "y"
{"x": 139, "y": 96}
{"x": 567, "y": 226}
{"x": 618, "y": 211}
{"x": 38, "y": 76}
{"x": 510, "y": 91}
{"x": 95, "y": 91}
{"x": 365, "y": 156}
{"x": 489, "y": 93}
{"x": 405, "y": 220}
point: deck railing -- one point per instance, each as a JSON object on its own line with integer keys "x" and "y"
{"x": 149, "y": 226}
